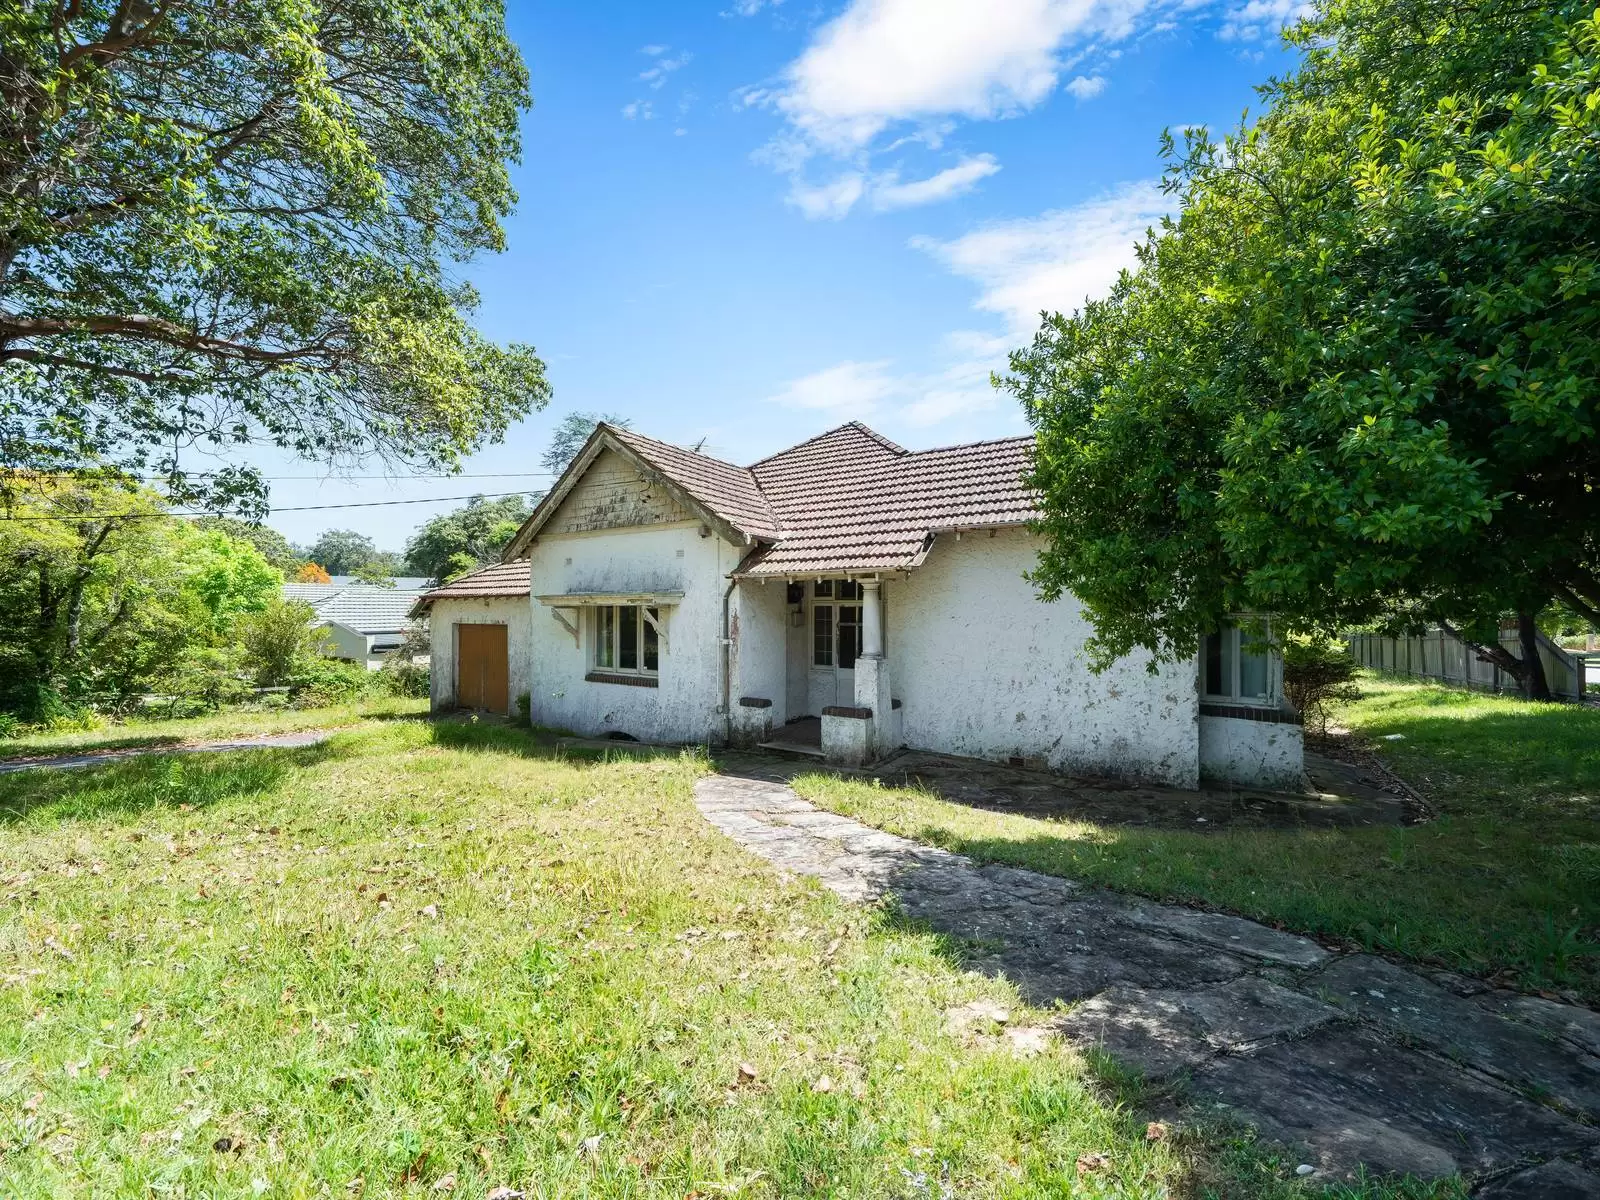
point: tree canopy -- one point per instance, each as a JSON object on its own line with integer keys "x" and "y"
{"x": 1355, "y": 379}
{"x": 91, "y": 604}
{"x": 569, "y": 435}
{"x": 470, "y": 537}
{"x": 342, "y": 551}
{"x": 274, "y": 547}
{"x": 226, "y": 222}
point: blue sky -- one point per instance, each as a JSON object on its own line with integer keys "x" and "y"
{"x": 746, "y": 221}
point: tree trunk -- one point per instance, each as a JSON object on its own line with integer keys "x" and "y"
{"x": 1534, "y": 684}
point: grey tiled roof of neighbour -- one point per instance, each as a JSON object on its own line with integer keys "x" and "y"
{"x": 501, "y": 579}
{"x": 368, "y": 609}
{"x": 846, "y": 500}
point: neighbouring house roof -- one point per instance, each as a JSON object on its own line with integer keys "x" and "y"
{"x": 406, "y": 583}
{"x": 360, "y": 607}
{"x": 501, "y": 579}
{"x": 848, "y": 500}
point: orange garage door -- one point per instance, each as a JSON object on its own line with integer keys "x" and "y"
{"x": 482, "y": 668}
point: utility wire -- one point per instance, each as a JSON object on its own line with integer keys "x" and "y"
{"x": 286, "y": 508}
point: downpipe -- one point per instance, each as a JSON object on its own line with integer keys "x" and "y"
{"x": 726, "y": 646}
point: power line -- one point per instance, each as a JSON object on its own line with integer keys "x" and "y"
{"x": 286, "y": 508}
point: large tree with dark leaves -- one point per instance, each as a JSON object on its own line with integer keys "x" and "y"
{"x": 232, "y": 221}
{"x": 1357, "y": 378}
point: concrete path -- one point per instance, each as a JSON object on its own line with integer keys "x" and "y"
{"x": 91, "y": 758}
{"x": 1349, "y": 1060}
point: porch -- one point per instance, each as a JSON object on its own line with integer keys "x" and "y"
{"x": 809, "y": 670}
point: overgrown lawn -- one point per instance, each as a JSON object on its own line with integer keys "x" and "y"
{"x": 230, "y": 723}
{"x": 432, "y": 959}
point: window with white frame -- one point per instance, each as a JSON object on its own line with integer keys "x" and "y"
{"x": 835, "y": 623}
{"x": 1235, "y": 665}
{"x": 627, "y": 639}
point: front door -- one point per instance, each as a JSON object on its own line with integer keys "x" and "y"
{"x": 483, "y": 668}
{"x": 835, "y": 642}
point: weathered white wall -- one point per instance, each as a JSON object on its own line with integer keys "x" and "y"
{"x": 986, "y": 670}
{"x": 650, "y": 558}
{"x": 511, "y": 611}
{"x": 1265, "y": 754}
{"x": 760, "y": 645}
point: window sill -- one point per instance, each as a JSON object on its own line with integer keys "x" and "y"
{"x": 645, "y": 681}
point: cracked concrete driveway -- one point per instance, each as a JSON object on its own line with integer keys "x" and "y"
{"x": 1348, "y": 1059}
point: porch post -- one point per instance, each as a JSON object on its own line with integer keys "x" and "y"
{"x": 871, "y": 620}
{"x": 872, "y": 676}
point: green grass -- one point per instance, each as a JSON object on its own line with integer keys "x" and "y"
{"x": 1504, "y": 883}
{"x": 419, "y": 952}
{"x": 230, "y": 723}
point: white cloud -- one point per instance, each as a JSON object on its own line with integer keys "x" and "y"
{"x": 850, "y": 387}
{"x": 656, "y": 76}
{"x": 749, "y": 8}
{"x": 1259, "y": 18}
{"x": 654, "y": 49}
{"x": 831, "y": 200}
{"x": 886, "y": 61}
{"x": 889, "y": 193}
{"x": 1087, "y": 87}
{"x": 1054, "y": 261}
{"x": 639, "y": 110}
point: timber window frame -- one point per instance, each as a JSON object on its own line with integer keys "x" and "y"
{"x": 836, "y": 620}
{"x": 625, "y": 639}
{"x": 1236, "y": 666}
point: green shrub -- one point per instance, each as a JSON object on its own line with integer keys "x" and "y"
{"x": 318, "y": 682}
{"x": 1318, "y": 676}
{"x": 279, "y": 642}
{"x": 524, "y": 705}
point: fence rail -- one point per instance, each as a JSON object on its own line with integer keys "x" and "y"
{"x": 1439, "y": 656}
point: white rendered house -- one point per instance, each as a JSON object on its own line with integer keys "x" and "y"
{"x": 853, "y": 595}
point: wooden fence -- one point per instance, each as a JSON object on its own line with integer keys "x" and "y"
{"x": 1438, "y": 656}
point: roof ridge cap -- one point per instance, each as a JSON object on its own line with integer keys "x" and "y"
{"x": 1017, "y": 437}
{"x": 852, "y": 424}
{"x": 645, "y": 437}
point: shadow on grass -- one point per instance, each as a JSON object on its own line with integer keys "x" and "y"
{"x": 152, "y": 736}
{"x": 126, "y": 787}
{"x": 458, "y": 733}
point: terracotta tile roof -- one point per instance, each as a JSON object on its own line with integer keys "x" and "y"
{"x": 725, "y": 489}
{"x": 850, "y": 500}
{"x": 846, "y": 500}
{"x": 501, "y": 579}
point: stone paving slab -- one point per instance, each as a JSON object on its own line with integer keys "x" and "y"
{"x": 1559, "y": 1180}
{"x": 1355, "y": 1099}
{"x": 1393, "y": 997}
{"x": 1355, "y": 1063}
